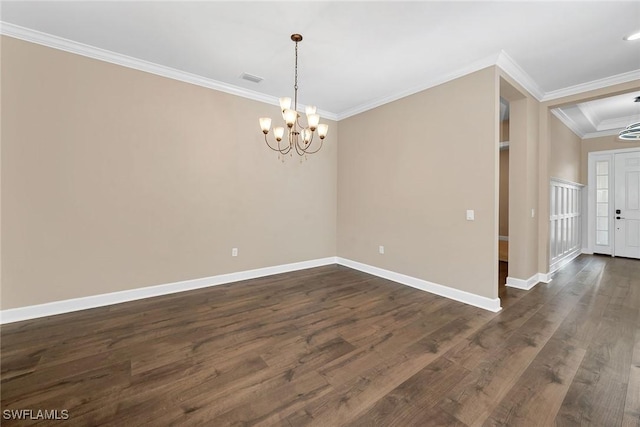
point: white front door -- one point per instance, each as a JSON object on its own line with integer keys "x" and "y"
{"x": 627, "y": 205}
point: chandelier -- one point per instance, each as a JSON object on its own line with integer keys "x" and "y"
{"x": 299, "y": 138}
{"x": 631, "y": 132}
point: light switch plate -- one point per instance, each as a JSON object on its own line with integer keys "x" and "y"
{"x": 471, "y": 215}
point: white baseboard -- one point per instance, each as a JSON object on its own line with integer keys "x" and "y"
{"x": 564, "y": 261}
{"x": 545, "y": 277}
{"x": 525, "y": 284}
{"x": 76, "y": 304}
{"x": 529, "y": 283}
{"x": 503, "y": 238}
{"x": 587, "y": 251}
{"x": 58, "y": 307}
{"x": 434, "y": 288}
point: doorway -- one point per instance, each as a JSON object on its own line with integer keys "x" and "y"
{"x": 503, "y": 211}
{"x": 626, "y": 242}
{"x": 614, "y": 203}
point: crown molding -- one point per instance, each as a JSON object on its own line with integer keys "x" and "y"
{"x": 598, "y": 134}
{"x": 515, "y": 71}
{"x": 568, "y": 122}
{"x": 592, "y": 85}
{"x": 93, "y": 52}
{"x": 618, "y": 123}
{"x": 471, "y": 68}
{"x": 501, "y": 59}
{"x": 589, "y": 114}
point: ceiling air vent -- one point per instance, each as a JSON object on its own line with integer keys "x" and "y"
{"x": 251, "y": 77}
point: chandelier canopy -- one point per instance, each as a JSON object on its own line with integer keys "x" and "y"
{"x": 299, "y": 138}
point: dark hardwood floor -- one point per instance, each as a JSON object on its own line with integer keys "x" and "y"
{"x": 336, "y": 347}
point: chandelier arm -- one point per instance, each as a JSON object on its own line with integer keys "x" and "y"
{"x": 306, "y": 147}
{"x": 274, "y": 149}
{"x": 309, "y": 146}
{"x": 284, "y": 150}
{"x": 299, "y": 148}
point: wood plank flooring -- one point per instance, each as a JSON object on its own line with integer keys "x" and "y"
{"x": 332, "y": 346}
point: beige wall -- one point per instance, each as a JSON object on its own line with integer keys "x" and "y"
{"x": 406, "y": 176}
{"x": 114, "y": 179}
{"x": 564, "y": 159}
{"x": 504, "y": 193}
{"x": 600, "y": 144}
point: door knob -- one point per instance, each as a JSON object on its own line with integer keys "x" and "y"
{"x": 618, "y": 211}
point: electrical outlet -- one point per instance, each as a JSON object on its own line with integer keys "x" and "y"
{"x": 471, "y": 215}
{"x": 533, "y": 213}
{"x": 234, "y": 252}
{"x": 381, "y": 249}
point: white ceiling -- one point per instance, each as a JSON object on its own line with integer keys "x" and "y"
{"x": 355, "y": 55}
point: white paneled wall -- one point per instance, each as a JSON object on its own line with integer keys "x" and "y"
{"x": 565, "y": 222}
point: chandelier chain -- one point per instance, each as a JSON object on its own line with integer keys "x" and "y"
{"x": 295, "y": 83}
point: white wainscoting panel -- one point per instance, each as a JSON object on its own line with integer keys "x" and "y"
{"x": 565, "y": 227}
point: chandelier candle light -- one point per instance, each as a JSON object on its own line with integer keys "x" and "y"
{"x": 298, "y": 137}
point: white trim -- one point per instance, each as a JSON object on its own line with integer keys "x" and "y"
{"x": 501, "y": 59}
{"x": 541, "y": 277}
{"x": 564, "y": 260}
{"x": 503, "y": 238}
{"x": 517, "y": 73}
{"x": 545, "y": 277}
{"x": 616, "y": 151}
{"x": 471, "y": 68}
{"x": 434, "y": 288}
{"x": 568, "y": 121}
{"x": 587, "y": 251}
{"x": 65, "y": 306}
{"x": 525, "y": 284}
{"x": 566, "y": 181}
{"x": 617, "y": 123}
{"x": 592, "y": 85}
{"x": 591, "y": 205}
{"x": 76, "y": 304}
{"x": 565, "y": 209}
{"x": 589, "y": 113}
{"x": 82, "y": 49}
{"x": 600, "y": 133}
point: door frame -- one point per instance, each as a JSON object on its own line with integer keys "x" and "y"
{"x": 591, "y": 178}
